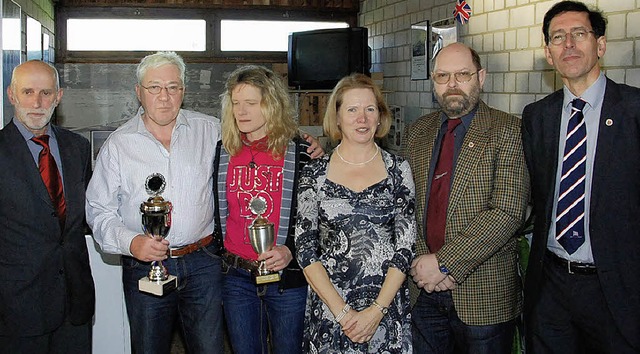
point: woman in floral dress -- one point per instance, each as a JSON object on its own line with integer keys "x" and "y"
{"x": 355, "y": 232}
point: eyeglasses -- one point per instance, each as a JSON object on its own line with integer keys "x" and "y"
{"x": 461, "y": 77}
{"x": 155, "y": 89}
{"x": 578, "y": 35}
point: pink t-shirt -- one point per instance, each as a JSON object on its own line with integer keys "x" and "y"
{"x": 244, "y": 183}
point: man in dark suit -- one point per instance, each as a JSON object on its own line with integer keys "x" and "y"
{"x": 467, "y": 285}
{"x": 582, "y": 145}
{"x": 46, "y": 289}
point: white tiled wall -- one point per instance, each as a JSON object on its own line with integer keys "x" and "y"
{"x": 506, "y": 34}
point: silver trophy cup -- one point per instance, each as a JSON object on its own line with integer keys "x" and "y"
{"x": 261, "y": 235}
{"x": 156, "y": 222}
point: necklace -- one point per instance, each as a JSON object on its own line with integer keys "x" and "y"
{"x": 253, "y": 163}
{"x": 257, "y": 146}
{"x": 357, "y": 163}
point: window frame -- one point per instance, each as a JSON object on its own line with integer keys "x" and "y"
{"x": 266, "y": 15}
{"x": 212, "y": 17}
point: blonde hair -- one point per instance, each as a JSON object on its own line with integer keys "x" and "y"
{"x": 275, "y": 106}
{"x": 354, "y": 81}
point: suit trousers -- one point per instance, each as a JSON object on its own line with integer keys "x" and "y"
{"x": 572, "y": 316}
{"x": 67, "y": 339}
{"x": 437, "y": 329}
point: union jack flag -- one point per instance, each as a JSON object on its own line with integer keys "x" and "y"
{"x": 462, "y": 11}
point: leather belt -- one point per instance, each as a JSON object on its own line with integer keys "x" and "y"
{"x": 236, "y": 261}
{"x": 185, "y": 250}
{"x": 572, "y": 267}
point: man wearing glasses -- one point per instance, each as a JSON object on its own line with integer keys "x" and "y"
{"x": 179, "y": 145}
{"x": 472, "y": 189}
{"x": 582, "y": 146}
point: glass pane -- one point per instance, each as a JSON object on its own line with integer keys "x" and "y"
{"x": 11, "y": 32}
{"x": 46, "y": 50}
{"x": 136, "y": 35}
{"x": 34, "y": 39}
{"x": 11, "y": 42}
{"x": 265, "y": 36}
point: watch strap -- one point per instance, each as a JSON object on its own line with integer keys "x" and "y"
{"x": 382, "y": 309}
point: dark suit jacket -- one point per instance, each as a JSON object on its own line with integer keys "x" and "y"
{"x": 615, "y": 198}
{"x": 44, "y": 272}
{"x": 487, "y": 203}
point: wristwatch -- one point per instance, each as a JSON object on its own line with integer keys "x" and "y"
{"x": 382, "y": 309}
{"x": 443, "y": 268}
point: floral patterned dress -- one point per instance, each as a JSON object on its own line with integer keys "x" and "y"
{"x": 357, "y": 236}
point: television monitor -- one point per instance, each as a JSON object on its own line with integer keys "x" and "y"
{"x": 318, "y": 59}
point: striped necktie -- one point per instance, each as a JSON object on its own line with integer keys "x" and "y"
{"x": 570, "y": 214}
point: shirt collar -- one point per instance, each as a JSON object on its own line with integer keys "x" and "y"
{"x": 594, "y": 95}
{"x": 466, "y": 119}
{"x": 180, "y": 121}
{"x": 27, "y": 134}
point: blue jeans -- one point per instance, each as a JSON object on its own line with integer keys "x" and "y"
{"x": 196, "y": 304}
{"x": 253, "y": 312}
{"x": 438, "y": 329}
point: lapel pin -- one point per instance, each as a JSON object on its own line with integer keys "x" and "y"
{"x": 471, "y": 144}
{"x": 608, "y": 122}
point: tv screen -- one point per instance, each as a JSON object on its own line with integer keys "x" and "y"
{"x": 319, "y": 59}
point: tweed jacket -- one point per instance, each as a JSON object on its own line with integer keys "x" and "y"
{"x": 487, "y": 205}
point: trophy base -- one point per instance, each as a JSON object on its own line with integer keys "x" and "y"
{"x": 158, "y": 288}
{"x": 267, "y": 278}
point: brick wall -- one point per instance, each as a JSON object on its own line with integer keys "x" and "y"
{"x": 508, "y": 36}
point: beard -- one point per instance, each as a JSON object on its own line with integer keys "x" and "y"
{"x": 34, "y": 123}
{"x": 455, "y": 103}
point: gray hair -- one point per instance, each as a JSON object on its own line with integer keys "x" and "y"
{"x": 157, "y": 60}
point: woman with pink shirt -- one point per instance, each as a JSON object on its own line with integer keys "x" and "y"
{"x": 257, "y": 168}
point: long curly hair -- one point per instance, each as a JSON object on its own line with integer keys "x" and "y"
{"x": 276, "y": 107}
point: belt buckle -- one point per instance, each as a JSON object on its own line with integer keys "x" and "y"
{"x": 569, "y": 268}
{"x": 171, "y": 252}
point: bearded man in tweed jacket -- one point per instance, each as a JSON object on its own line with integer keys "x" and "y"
{"x": 466, "y": 287}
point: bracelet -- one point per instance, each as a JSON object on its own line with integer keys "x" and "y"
{"x": 382, "y": 309}
{"x": 344, "y": 312}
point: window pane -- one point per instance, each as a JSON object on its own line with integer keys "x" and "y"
{"x": 11, "y": 33}
{"x": 265, "y": 36}
{"x": 34, "y": 39}
{"x": 136, "y": 35}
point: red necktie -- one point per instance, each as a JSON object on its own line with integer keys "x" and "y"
{"x": 51, "y": 177}
{"x": 439, "y": 193}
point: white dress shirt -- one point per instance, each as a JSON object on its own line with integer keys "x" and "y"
{"x": 129, "y": 156}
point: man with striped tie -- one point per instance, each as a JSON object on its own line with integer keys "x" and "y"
{"x": 582, "y": 145}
